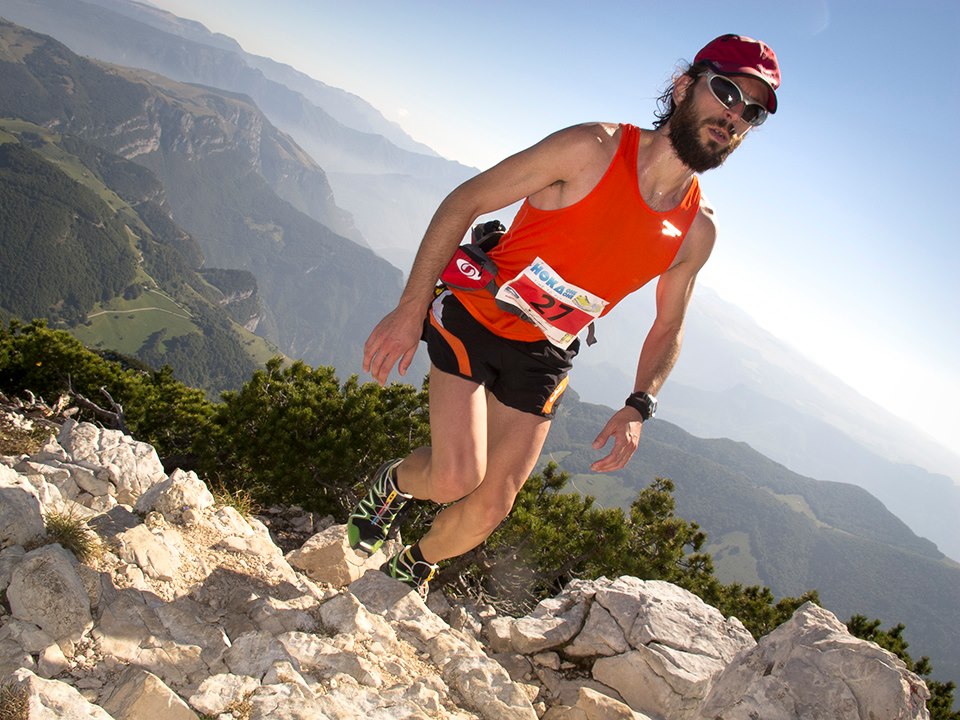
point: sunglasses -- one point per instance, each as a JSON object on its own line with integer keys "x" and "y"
{"x": 730, "y": 95}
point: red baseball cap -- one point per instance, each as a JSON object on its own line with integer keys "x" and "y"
{"x": 741, "y": 55}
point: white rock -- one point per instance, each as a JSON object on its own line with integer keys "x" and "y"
{"x": 601, "y": 636}
{"x": 135, "y": 466}
{"x": 21, "y": 520}
{"x": 811, "y": 667}
{"x": 486, "y": 688}
{"x": 657, "y": 611}
{"x": 171, "y": 497}
{"x": 679, "y": 644}
{"x": 54, "y": 700}
{"x": 13, "y": 657}
{"x": 228, "y": 521}
{"x": 315, "y": 655}
{"x": 597, "y": 706}
{"x": 554, "y": 622}
{"x": 254, "y": 653}
{"x": 46, "y": 590}
{"x": 327, "y": 557}
{"x": 52, "y": 661}
{"x": 498, "y": 632}
{"x": 218, "y": 692}
{"x": 140, "y": 695}
{"x": 345, "y": 614}
{"x": 30, "y": 637}
{"x": 152, "y": 552}
{"x": 9, "y": 558}
{"x": 279, "y": 616}
{"x": 282, "y": 672}
{"x": 88, "y": 480}
{"x": 285, "y": 702}
{"x": 129, "y": 631}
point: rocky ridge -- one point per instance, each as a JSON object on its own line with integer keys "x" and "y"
{"x": 191, "y": 610}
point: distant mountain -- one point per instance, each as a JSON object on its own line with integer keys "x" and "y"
{"x": 219, "y": 161}
{"x": 389, "y": 183}
{"x": 736, "y": 380}
{"x": 769, "y": 525}
{"x": 86, "y": 242}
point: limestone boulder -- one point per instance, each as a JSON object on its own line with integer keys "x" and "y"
{"x": 172, "y": 497}
{"x": 46, "y": 590}
{"x": 55, "y": 700}
{"x": 811, "y": 667}
{"x": 133, "y": 467}
{"x": 327, "y": 558}
{"x": 21, "y": 519}
{"x": 139, "y": 695}
{"x": 155, "y": 552}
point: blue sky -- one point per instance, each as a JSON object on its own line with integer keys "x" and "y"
{"x": 834, "y": 216}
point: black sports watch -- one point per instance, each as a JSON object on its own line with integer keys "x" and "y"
{"x": 644, "y": 403}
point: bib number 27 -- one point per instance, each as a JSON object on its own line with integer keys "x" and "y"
{"x": 558, "y": 308}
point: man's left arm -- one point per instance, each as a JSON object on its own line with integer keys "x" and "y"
{"x": 661, "y": 348}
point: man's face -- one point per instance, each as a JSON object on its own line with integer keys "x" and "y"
{"x": 702, "y": 131}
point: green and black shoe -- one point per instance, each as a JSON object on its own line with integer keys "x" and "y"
{"x": 370, "y": 524}
{"x": 409, "y": 567}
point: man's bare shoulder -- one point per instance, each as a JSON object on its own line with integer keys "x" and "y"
{"x": 703, "y": 232}
{"x": 708, "y": 212}
{"x": 700, "y": 239}
{"x": 591, "y": 137}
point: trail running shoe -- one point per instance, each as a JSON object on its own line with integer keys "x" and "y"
{"x": 369, "y": 525}
{"x": 415, "y": 573}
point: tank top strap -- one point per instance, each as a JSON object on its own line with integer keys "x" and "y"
{"x": 627, "y": 151}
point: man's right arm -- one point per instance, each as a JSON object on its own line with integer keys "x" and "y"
{"x": 556, "y": 159}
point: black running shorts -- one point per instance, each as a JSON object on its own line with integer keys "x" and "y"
{"x": 527, "y": 376}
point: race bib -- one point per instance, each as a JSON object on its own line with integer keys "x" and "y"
{"x": 559, "y": 309}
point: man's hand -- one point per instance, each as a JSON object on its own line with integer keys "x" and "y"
{"x": 624, "y": 427}
{"x": 395, "y": 338}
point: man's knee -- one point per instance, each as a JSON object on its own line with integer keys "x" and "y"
{"x": 455, "y": 478}
{"x": 491, "y": 514}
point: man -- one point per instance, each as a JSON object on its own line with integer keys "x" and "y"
{"x": 607, "y": 208}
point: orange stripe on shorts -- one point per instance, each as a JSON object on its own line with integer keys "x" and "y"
{"x": 554, "y": 396}
{"x": 459, "y": 350}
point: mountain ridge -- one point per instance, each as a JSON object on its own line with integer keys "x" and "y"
{"x": 393, "y": 228}
{"x": 737, "y": 380}
{"x": 214, "y": 153}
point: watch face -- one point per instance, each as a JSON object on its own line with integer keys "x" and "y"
{"x": 644, "y": 403}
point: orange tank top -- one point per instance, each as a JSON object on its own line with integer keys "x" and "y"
{"x": 609, "y": 243}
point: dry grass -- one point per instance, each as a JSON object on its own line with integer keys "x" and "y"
{"x": 73, "y": 534}
{"x": 17, "y": 440}
{"x": 13, "y": 703}
{"x": 239, "y": 499}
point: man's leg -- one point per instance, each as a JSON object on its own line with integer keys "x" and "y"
{"x": 445, "y": 472}
{"x": 514, "y": 441}
{"x": 455, "y": 462}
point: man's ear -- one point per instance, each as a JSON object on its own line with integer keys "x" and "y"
{"x": 681, "y": 87}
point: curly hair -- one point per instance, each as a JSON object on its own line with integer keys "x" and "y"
{"x": 665, "y": 106}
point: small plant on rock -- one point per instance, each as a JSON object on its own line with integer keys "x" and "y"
{"x": 72, "y": 533}
{"x": 239, "y": 499}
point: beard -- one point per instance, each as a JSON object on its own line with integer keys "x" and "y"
{"x": 684, "y": 134}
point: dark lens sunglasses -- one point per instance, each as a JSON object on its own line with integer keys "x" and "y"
{"x": 730, "y": 95}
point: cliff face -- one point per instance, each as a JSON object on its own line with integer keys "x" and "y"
{"x": 390, "y": 184}
{"x": 250, "y": 196}
{"x": 193, "y": 608}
